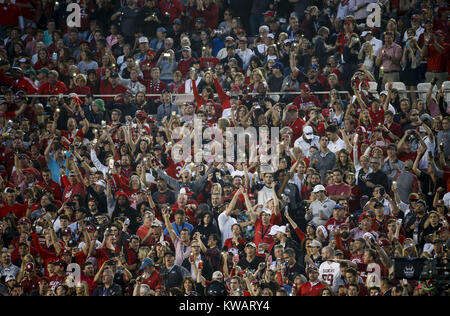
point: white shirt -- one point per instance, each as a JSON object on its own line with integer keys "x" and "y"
{"x": 245, "y": 55}
{"x": 334, "y": 147}
{"x": 376, "y": 44}
{"x": 225, "y": 224}
{"x": 188, "y": 85}
{"x": 419, "y": 31}
{"x": 264, "y": 195}
{"x": 305, "y": 146}
{"x": 329, "y": 273}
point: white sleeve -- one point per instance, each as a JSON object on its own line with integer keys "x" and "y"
{"x": 98, "y": 164}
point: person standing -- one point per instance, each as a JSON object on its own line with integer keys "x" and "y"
{"x": 388, "y": 59}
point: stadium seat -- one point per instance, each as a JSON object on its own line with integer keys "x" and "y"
{"x": 423, "y": 89}
{"x": 400, "y": 86}
{"x": 373, "y": 87}
{"x": 446, "y": 85}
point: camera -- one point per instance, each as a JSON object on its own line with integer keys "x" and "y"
{"x": 166, "y": 55}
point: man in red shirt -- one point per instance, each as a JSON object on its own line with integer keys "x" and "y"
{"x": 291, "y": 119}
{"x": 53, "y": 85}
{"x": 30, "y": 281}
{"x": 436, "y": 50}
{"x": 87, "y": 275}
{"x": 338, "y": 189}
{"x": 209, "y": 11}
{"x": 262, "y": 239}
{"x": 73, "y": 188}
{"x": 306, "y": 100}
{"x": 114, "y": 87}
{"x": 185, "y": 63}
{"x": 21, "y": 82}
{"x": 150, "y": 276}
{"x": 48, "y": 185}
{"x": 171, "y": 9}
{"x": 10, "y": 205}
{"x": 313, "y": 287}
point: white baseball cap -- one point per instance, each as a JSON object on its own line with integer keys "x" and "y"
{"x": 318, "y": 188}
{"x": 267, "y": 211}
{"x": 143, "y": 39}
{"x": 101, "y": 183}
{"x": 308, "y": 132}
{"x": 274, "y": 230}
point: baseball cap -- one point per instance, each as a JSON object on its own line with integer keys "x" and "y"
{"x": 10, "y": 277}
{"x": 414, "y": 196}
{"x": 365, "y": 33}
{"x": 270, "y": 35}
{"x": 100, "y": 104}
{"x": 161, "y": 29}
{"x": 200, "y": 20}
{"x": 101, "y": 183}
{"x": 292, "y": 108}
{"x": 217, "y": 275}
{"x": 251, "y": 244}
{"x": 24, "y": 220}
{"x": 277, "y": 65}
{"x": 186, "y": 191}
{"x": 305, "y": 86}
{"x": 44, "y": 70}
{"x": 29, "y": 267}
{"x": 186, "y": 48}
{"x": 269, "y": 14}
{"x": 156, "y": 223}
{"x": 146, "y": 262}
{"x": 177, "y": 21}
{"x": 229, "y": 39}
{"x": 143, "y": 39}
{"x": 18, "y": 69}
{"x": 308, "y": 132}
{"x": 318, "y": 188}
{"x": 267, "y": 211}
{"x": 274, "y": 230}
{"x": 66, "y": 231}
{"x": 422, "y": 202}
{"x": 315, "y": 243}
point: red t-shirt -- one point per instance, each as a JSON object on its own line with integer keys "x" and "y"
{"x": 307, "y": 289}
{"x": 435, "y": 60}
{"x": 339, "y": 189}
{"x": 403, "y": 156}
{"x": 18, "y": 209}
{"x": 262, "y": 233}
{"x": 9, "y": 14}
{"x": 152, "y": 281}
{"x": 297, "y": 129}
{"x": 52, "y": 187}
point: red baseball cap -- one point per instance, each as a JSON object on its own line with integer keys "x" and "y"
{"x": 269, "y": 14}
{"x": 292, "y": 108}
{"x": 305, "y": 86}
{"x": 29, "y": 267}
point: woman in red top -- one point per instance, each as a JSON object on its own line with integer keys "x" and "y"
{"x": 80, "y": 85}
{"x": 236, "y": 240}
{"x": 43, "y": 60}
{"x": 177, "y": 86}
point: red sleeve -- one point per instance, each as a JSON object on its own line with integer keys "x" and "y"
{"x": 43, "y": 253}
{"x": 224, "y": 98}
{"x": 276, "y": 219}
{"x": 300, "y": 234}
{"x": 197, "y": 96}
{"x": 340, "y": 246}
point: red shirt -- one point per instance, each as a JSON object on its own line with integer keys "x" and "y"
{"x": 297, "y": 129}
{"x": 152, "y": 281}
{"x": 52, "y": 187}
{"x": 9, "y": 14}
{"x": 309, "y": 101}
{"x": 184, "y": 66}
{"x": 25, "y": 84}
{"x": 377, "y": 117}
{"x": 18, "y": 209}
{"x": 437, "y": 61}
{"x": 262, "y": 234}
{"x": 339, "y": 189}
{"x": 29, "y": 285}
{"x": 90, "y": 282}
{"x": 307, "y": 289}
{"x": 72, "y": 190}
{"x": 107, "y": 88}
{"x": 47, "y": 88}
{"x": 173, "y": 7}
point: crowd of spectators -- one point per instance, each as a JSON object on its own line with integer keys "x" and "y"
{"x": 357, "y": 206}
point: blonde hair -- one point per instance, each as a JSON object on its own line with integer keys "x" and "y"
{"x": 84, "y": 286}
{"x": 259, "y": 72}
